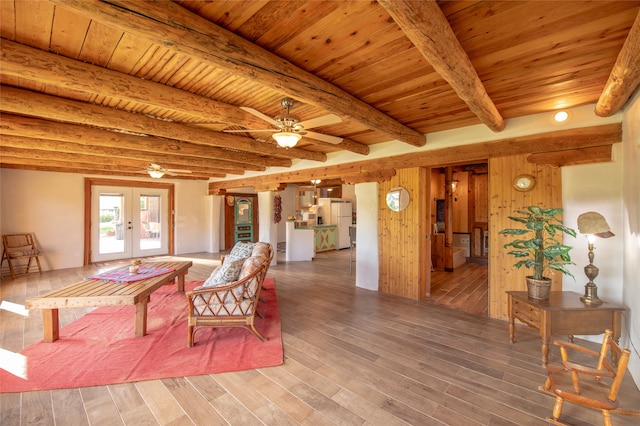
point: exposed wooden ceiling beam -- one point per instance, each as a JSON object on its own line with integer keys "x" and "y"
{"x": 169, "y": 24}
{"x": 72, "y": 149}
{"x": 625, "y": 75}
{"x": 572, "y": 157}
{"x": 428, "y": 29}
{"x": 73, "y": 162}
{"x": 27, "y": 62}
{"x": 24, "y": 102}
{"x": 91, "y": 139}
{"x": 377, "y": 176}
{"x": 86, "y": 169}
{"x": 23, "y": 61}
{"x": 561, "y": 140}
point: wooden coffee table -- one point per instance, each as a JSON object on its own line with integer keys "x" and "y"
{"x": 95, "y": 292}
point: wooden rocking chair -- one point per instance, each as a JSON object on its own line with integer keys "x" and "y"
{"x": 592, "y": 387}
{"x": 20, "y": 246}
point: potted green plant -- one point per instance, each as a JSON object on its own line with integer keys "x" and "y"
{"x": 540, "y": 246}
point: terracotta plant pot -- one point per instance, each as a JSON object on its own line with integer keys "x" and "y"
{"x": 539, "y": 289}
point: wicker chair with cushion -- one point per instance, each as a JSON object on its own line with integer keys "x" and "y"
{"x": 229, "y": 297}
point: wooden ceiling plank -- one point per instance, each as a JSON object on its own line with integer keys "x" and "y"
{"x": 31, "y": 103}
{"x": 625, "y": 75}
{"x": 168, "y": 23}
{"x": 33, "y": 22}
{"x": 8, "y": 20}
{"x": 99, "y": 43}
{"x": 309, "y": 49}
{"x": 122, "y": 59}
{"x": 426, "y": 26}
{"x": 68, "y": 33}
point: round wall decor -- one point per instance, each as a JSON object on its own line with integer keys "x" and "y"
{"x": 524, "y": 182}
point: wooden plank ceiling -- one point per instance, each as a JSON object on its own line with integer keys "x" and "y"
{"x": 108, "y": 87}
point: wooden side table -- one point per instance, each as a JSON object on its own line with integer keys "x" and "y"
{"x": 562, "y": 313}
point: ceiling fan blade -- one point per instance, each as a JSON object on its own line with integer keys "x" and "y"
{"x": 325, "y": 120}
{"x": 324, "y": 138}
{"x": 251, "y": 130}
{"x": 259, "y": 115}
{"x": 177, "y": 171}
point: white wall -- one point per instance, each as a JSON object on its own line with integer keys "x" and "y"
{"x": 51, "y": 205}
{"x": 193, "y": 230}
{"x": 268, "y": 228}
{"x": 630, "y": 230}
{"x": 367, "y": 263}
{"x": 288, "y": 196}
{"x": 613, "y": 190}
{"x": 598, "y": 188}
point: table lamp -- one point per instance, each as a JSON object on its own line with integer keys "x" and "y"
{"x": 592, "y": 225}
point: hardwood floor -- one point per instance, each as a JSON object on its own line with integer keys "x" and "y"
{"x": 352, "y": 357}
{"x": 465, "y": 289}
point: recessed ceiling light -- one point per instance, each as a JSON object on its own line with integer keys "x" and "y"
{"x": 560, "y": 116}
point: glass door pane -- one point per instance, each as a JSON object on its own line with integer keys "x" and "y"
{"x": 151, "y": 220}
{"x": 131, "y": 222}
{"x": 150, "y": 233}
{"x": 109, "y": 212}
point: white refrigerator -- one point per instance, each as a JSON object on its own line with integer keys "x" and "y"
{"x": 341, "y": 217}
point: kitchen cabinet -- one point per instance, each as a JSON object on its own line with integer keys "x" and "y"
{"x": 325, "y": 237}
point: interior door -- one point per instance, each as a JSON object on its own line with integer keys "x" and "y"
{"x": 128, "y": 222}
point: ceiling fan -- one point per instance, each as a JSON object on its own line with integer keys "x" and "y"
{"x": 156, "y": 171}
{"x": 289, "y": 129}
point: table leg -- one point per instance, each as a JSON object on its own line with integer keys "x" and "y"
{"x": 545, "y": 351}
{"x": 512, "y": 330}
{"x": 512, "y": 318}
{"x": 181, "y": 283}
{"x": 140, "y": 327}
{"x": 50, "y": 325}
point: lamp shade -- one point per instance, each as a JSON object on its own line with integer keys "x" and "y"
{"x": 286, "y": 139}
{"x": 156, "y": 174}
{"x": 593, "y": 223}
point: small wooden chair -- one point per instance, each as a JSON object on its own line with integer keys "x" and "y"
{"x": 592, "y": 387}
{"x": 20, "y": 246}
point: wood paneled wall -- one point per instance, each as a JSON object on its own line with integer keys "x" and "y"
{"x": 405, "y": 250}
{"x": 503, "y": 201}
{"x": 403, "y": 237}
{"x": 461, "y": 202}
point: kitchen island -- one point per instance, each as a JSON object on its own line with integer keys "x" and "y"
{"x": 303, "y": 242}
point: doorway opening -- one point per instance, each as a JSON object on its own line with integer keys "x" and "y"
{"x": 126, "y": 219}
{"x": 459, "y": 229}
{"x": 240, "y": 219}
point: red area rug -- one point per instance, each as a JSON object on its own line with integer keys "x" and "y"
{"x": 99, "y": 348}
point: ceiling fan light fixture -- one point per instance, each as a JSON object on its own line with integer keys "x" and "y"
{"x": 156, "y": 174}
{"x": 286, "y": 139}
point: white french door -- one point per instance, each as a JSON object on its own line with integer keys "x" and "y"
{"x": 128, "y": 222}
